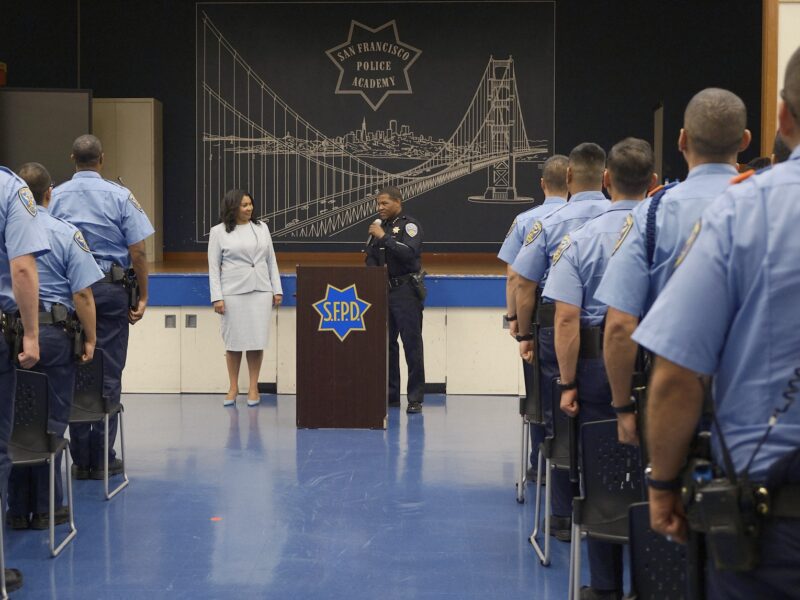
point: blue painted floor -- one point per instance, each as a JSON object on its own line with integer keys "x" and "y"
{"x": 238, "y": 503}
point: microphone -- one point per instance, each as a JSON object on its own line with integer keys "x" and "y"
{"x": 369, "y": 239}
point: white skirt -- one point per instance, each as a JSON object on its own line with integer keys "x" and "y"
{"x": 245, "y": 324}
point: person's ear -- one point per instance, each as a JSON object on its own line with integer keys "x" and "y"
{"x": 683, "y": 140}
{"x": 606, "y": 179}
{"x": 746, "y": 139}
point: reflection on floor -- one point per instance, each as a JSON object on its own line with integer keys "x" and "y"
{"x": 238, "y": 503}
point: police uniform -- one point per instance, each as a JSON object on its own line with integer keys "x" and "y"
{"x": 578, "y": 266}
{"x": 633, "y": 279}
{"x": 67, "y": 269}
{"x": 533, "y": 263}
{"x": 730, "y": 310}
{"x": 400, "y": 249}
{"x": 110, "y": 219}
{"x": 515, "y": 238}
{"x": 21, "y": 233}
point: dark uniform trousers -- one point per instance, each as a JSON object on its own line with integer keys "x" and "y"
{"x": 405, "y": 319}
{"x": 8, "y": 386}
{"x": 111, "y": 302}
{"x": 29, "y": 486}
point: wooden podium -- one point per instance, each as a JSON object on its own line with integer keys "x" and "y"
{"x": 342, "y": 347}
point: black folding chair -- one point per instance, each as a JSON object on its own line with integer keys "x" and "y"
{"x": 658, "y": 566}
{"x": 611, "y": 480}
{"x": 90, "y": 405}
{"x": 530, "y": 411}
{"x": 32, "y": 445}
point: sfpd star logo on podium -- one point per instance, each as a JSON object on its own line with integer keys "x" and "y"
{"x": 341, "y": 311}
{"x": 373, "y": 63}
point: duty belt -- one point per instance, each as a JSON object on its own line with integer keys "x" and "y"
{"x": 591, "y": 342}
{"x": 108, "y": 278}
{"x": 545, "y": 314}
{"x": 398, "y": 281}
{"x": 47, "y": 318}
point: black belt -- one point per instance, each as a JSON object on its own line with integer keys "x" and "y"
{"x": 398, "y": 281}
{"x": 47, "y": 318}
{"x": 591, "y": 343}
{"x": 785, "y": 502}
{"x": 108, "y": 278}
{"x": 546, "y": 314}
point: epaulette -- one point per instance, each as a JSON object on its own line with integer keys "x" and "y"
{"x": 742, "y": 176}
{"x": 115, "y": 183}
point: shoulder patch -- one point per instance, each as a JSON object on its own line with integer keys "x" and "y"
{"x": 533, "y": 233}
{"x": 689, "y": 243}
{"x": 412, "y": 230}
{"x": 81, "y": 241}
{"x": 135, "y": 202}
{"x": 742, "y": 177}
{"x": 510, "y": 229}
{"x": 626, "y": 229}
{"x": 562, "y": 247}
{"x": 26, "y": 197}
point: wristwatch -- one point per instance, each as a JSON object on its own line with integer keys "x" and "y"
{"x": 572, "y": 385}
{"x": 508, "y": 319}
{"x": 672, "y": 485}
{"x": 628, "y": 408}
{"x": 524, "y": 338}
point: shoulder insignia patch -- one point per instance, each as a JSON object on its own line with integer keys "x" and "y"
{"x": 412, "y": 230}
{"x": 742, "y": 177}
{"x": 135, "y": 203}
{"x": 533, "y": 233}
{"x": 689, "y": 243}
{"x": 26, "y": 197}
{"x": 562, "y": 247}
{"x": 81, "y": 241}
{"x": 510, "y": 229}
{"x": 626, "y": 229}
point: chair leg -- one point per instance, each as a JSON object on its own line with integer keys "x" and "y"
{"x": 544, "y": 553}
{"x": 73, "y": 531}
{"x": 575, "y": 552}
{"x": 538, "y": 498}
{"x": 522, "y": 476}
{"x": 125, "y": 481}
{"x": 3, "y": 592}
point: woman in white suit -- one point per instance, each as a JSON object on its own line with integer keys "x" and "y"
{"x": 245, "y": 285}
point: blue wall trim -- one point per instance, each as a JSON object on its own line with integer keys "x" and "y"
{"x": 191, "y": 289}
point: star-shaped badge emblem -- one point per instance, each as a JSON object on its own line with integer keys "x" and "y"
{"x": 373, "y": 63}
{"x": 395, "y": 230}
{"x": 341, "y": 311}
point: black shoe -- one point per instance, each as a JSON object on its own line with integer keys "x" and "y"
{"x": 114, "y": 468}
{"x": 530, "y": 474}
{"x": 394, "y": 403}
{"x": 79, "y": 472}
{"x": 13, "y": 580}
{"x": 42, "y": 520}
{"x": 561, "y": 528}
{"x": 20, "y": 522}
{"x": 589, "y": 593}
{"x": 414, "y": 408}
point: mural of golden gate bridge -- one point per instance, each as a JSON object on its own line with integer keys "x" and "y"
{"x": 312, "y": 187}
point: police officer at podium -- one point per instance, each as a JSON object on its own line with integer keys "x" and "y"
{"x": 396, "y": 241}
{"x": 66, "y": 306}
{"x": 22, "y": 239}
{"x": 115, "y": 227}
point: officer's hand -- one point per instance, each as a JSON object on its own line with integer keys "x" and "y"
{"x": 376, "y": 231}
{"x": 569, "y": 402}
{"x": 513, "y": 328}
{"x": 626, "y": 429}
{"x": 667, "y": 516}
{"x": 135, "y": 316}
{"x": 30, "y": 352}
{"x": 277, "y": 300}
{"x": 526, "y": 351}
{"x": 88, "y": 352}
{"x": 219, "y": 306}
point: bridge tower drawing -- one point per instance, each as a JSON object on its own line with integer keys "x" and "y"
{"x": 310, "y": 186}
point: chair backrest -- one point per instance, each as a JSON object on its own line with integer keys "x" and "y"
{"x": 31, "y": 412}
{"x": 612, "y": 473}
{"x": 658, "y": 567}
{"x": 531, "y": 404}
{"x": 563, "y": 433}
{"x": 89, "y": 385}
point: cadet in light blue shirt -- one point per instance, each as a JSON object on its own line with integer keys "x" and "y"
{"x": 731, "y": 310}
{"x": 22, "y": 238}
{"x": 578, "y": 266}
{"x": 114, "y": 226}
{"x": 65, "y": 276}
{"x": 713, "y": 134}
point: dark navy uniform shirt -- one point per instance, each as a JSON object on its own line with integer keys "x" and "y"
{"x": 400, "y": 247}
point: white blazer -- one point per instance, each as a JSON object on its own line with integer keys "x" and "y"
{"x": 242, "y": 261}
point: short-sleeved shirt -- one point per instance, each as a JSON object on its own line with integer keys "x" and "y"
{"x": 68, "y": 268}
{"x": 731, "y": 310}
{"x": 21, "y": 231}
{"x": 533, "y": 260}
{"x": 515, "y": 238}
{"x": 108, "y": 215}
{"x": 582, "y": 258}
{"x": 631, "y": 284}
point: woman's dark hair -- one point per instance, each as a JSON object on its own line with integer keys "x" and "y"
{"x": 230, "y": 208}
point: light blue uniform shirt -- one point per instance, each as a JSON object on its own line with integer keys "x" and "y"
{"x": 731, "y": 309}
{"x": 21, "y": 231}
{"x": 630, "y": 283}
{"x": 522, "y": 226}
{"x": 107, "y": 214}
{"x": 68, "y": 268}
{"x": 533, "y": 259}
{"x": 581, "y": 260}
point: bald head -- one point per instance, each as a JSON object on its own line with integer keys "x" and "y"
{"x": 37, "y": 178}
{"x": 587, "y": 162}
{"x": 715, "y": 122}
{"x": 554, "y": 175}
{"x": 87, "y": 151}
